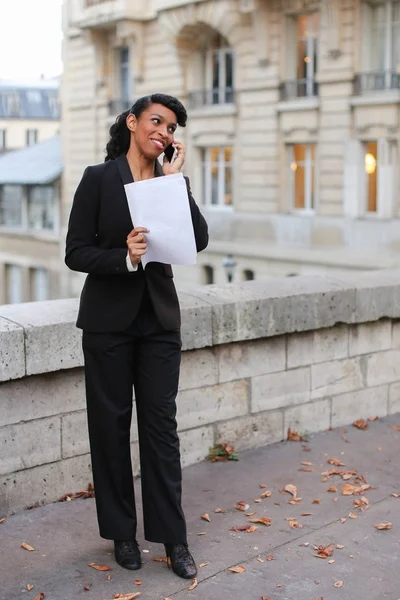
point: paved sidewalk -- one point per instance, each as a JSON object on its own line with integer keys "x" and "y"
{"x": 65, "y": 536}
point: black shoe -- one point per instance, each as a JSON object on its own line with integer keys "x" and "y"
{"x": 127, "y": 554}
{"x": 181, "y": 561}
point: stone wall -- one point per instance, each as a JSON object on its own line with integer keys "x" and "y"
{"x": 307, "y": 353}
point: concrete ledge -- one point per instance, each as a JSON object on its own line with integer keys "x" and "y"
{"x": 41, "y": 337}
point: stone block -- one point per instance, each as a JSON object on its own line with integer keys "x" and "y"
{"x": 27, "y": 445}
{"x": 199, "y": 367}
{"x": 248, "y": 359}
{"x": 336, "y": 377}
{"x": 251, "y": 431}
{"x": 396, "y": 335}
{"x": 280, "y": 389}
{"x": 44, "y": 484}
{"x": 369, "y": 402}
{"x": 52, "y": 342}
{"x": 307, "y": 418}
{"x": 12, "y": 350}
{"x": 206, "y": 405}
{"x": 195, "y": 444}
{"x": 317, "y": 346}
{"x": 394, "y": 398}
{"x": 196, "y": 321}
{"x": 75, "y": 437}
{"x": 383, "y": 367}
{"x": 41, "y": 396}
{"x": 370, "y": 337}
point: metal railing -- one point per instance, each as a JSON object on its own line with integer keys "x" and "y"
{"x": 116, "y": 107}
{"x": 211, "y": 97}
{"x": 298, "y": 88}
{"x": 376, "y": 81}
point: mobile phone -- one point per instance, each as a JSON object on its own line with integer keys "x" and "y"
{"x": 169, "y": 152}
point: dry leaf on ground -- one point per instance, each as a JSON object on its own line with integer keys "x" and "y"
{"x": 40, "y": 596}
{"x": 168, "y": 598}
{"x": 160, "y": 559}
{"x": 249, "y": 514}
{"x": 396, "y": 427}
{"x": 330, "y": 562}
{"x": 353, "y": 515}
{"x": 339, "y": 546}
{"x": 293, "y": 436}
{"x": 219, "y": 510}
{"x": 129, "y": 596}
{"x": 238, "y": 569}
{"x": 100, "y": 567}
{"x": 336, "y": 462}
{"x": 293, "y": 523}
{"x": 270, "y": 557}
{"x": 203, "y": 564}
{"x": 27, "y": 547}
{"x": 258, "y": 500}
{"x": 316, "y": 501}
{"x": 263, "y": 520}
{"x": 360, "y": 424}
{"x": 2, "y": 520}
{"x": 382, "y": 526}
{"x": 202, "y": 533}
{"x": 242, "y": 505}
{"x": 361, "y": 502}
{"x": 373, "y": 418}
{"x": 338, "y": 584}
{"x": 244, "y": 528}
{"x": 295, "y": 500}
{"x": 263, "y": 486}
{"x": 306, "y": 514}
{"x": 194, "y": 584}
{"x": 206, "y": 517}
{"x": 266, "y": 494}
{"x": 395, "y": 495}
{"x": 265, "y": 598}
{"x": 324, "y": 551}
{"x": 307, "y": 469}
{"x": 291, "y": 489}
{"x": 83, "y": 494}
{"x": 29, "y": 587}
{"x": 333, "y": 489}
{"x": 138, "y": 582}
{"x": 87, "y": 587}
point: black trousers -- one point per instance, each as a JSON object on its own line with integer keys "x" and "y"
{"x": 147, "y": 358}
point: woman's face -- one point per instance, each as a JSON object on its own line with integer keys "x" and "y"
{"x": 153, "y": 130}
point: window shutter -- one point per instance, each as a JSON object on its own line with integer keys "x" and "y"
{"x": 354, "y": 179}
{"x": 386, "y": 179}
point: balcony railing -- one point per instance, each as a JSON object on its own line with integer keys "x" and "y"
{"x": 298, "y": 88}
{"x": 116, "y": 107}
{"x": 376, "y": 81}
{"x": 211, "y": 97}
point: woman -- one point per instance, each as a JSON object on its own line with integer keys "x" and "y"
{"x": 130, "y": 318}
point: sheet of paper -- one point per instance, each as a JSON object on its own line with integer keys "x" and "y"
{"x": 162, "y": 205}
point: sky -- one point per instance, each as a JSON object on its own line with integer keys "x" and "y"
{"x": 30, "y": 38}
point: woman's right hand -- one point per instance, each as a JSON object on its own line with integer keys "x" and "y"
{"x": 137, "y": 244}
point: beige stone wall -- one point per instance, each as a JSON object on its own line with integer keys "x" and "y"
{"x": 16, "y": 130}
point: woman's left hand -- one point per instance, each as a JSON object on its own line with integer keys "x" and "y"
{"x": 177, "y": 163}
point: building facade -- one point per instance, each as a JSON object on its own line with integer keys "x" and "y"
{"x": 29, "y": 112}
{"x": 293, "y": 132}
{"x": 30, "y": 247}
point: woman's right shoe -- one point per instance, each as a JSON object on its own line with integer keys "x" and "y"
{"x": 180, "y": 560}
{"x": 127, "y": 554}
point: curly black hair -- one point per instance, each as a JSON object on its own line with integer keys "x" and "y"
{"x": 119, "y": 133}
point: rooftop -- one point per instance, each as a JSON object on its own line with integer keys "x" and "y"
{"x": 38, "y": 164}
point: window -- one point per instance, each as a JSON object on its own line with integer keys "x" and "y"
{"x": 124, "y": 78}
{"x": 31, "y": 137}
{"x": 41, "y": 208}
{"x": 248, "y": 275}
{"x": 3, "y": 139}
{"x": 218, "y": 70}
{"x": 11, "y": 104}
{"x": 208, "y": 275}
{"x": 54, "y": 105}
{"x": 370, "y": 167}
{"x": 39, "y": 284}
{"x": 14, "y": 284}
{"x": 217, "y": 176}
{"x": 302, "y": 57}
{"x": 34, "y": 96}
{"x": 302, "y": 176}
{"x": 11, "y": 205}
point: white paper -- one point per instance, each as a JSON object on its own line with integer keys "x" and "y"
{"x": 162, "y": 206}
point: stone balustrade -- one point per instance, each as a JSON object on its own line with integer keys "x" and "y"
{"x": 302, "y": 352}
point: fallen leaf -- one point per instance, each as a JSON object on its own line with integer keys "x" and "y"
{"x": 108, "y": 577}
{"x": 138, "y": 582}
{"x": 306, "y": 514}
{"x": 343, "y": 520}
{"x": 330, "y": 562}
{"x": 263, "y": 520}
{"x": 373, "y": 418}
{"x": 316, "y": 501}
{"x": 353, "y": 515}
{"x": 249, "y": 514}
{"x": 336, "y": 462}
{"x": 27, "y": 547}
{"x": 202, "y": 533}
{"x": 338, "y": 584}
{"x": 306, "y": 469}
{"x": 291, "y": 489}
{"x": 265, "y": 598}
{"x": 333, "y": 489}
{"x": 266, "y": 494}
{"x": 325, "y": 551}
{"x": 295, "y": 500}
{"x": 194, "y": 584}
{"x": 160, "y": 559}
{"x": 360, "y": 502}
{"x": 242, "y": 505}
{"x": 270, "y": 557}
{"x": 2, "y": 520}
{"x": 293, "y": 436}
{"x": 167, "y": 598}
{"x": 396, "y": 427}
{"x": 206, "y": 517}
{"x": 204, "y": 564}
{"x": 306, "y": 463}
{"x": 261, "y": 560}
{"x": 238, "y": 569}
{"x": 100, "y": 567}
{"x": 87, "y": 587}
{"x": 29, "y": 587}
{"x": 339, "y": 546}
{"x": 130, "y": 596}
{"x": 40, "y": 596}
{"x": 360, "y": 424}
{"x": 382, "y": 526}
{"x": 263, "y": 486}
{"x": 219, "y": 510}
{"x": 294, "y": 523}
{"x": 244, "y": 528}
{"x": 395, "y": 495}
{"x": 222, "y": 452}
{"x": 258, "y": 500}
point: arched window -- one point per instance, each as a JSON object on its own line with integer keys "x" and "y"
{"x": 208, "y": 274}
{"x": 248, "y": 275}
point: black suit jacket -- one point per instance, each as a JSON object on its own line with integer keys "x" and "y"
{"x": 96, "y": 244}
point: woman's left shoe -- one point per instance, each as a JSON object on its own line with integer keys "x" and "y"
{"x": 180, "y": 560}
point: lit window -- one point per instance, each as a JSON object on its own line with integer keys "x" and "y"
{"x": 371, "y": 174}
{"x": 217, "y": 176}
{"x": 302, "y": 176}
